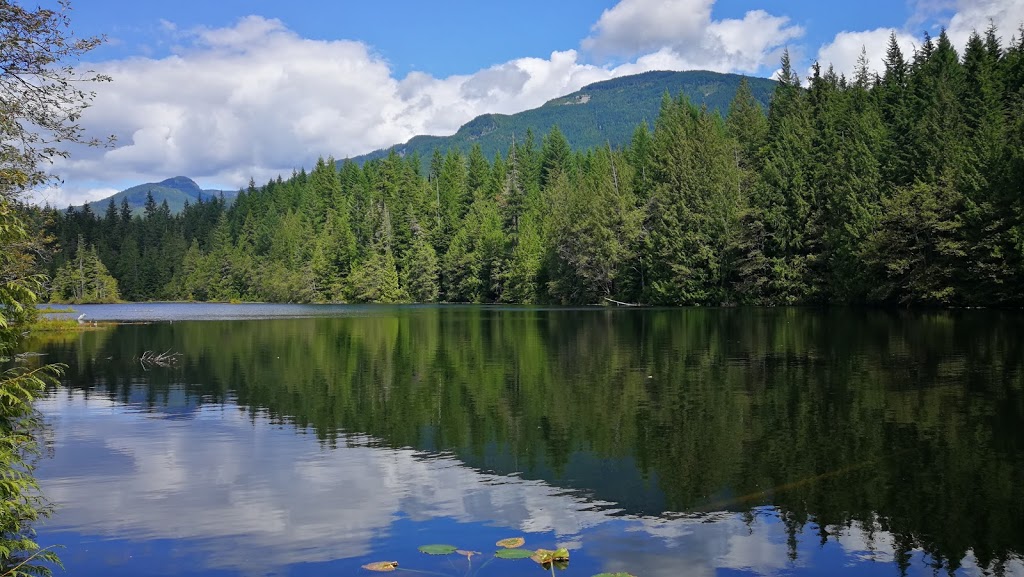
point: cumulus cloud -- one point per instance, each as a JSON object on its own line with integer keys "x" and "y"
{"x": 257, "y": 100}
{"x": 958, "y": 17}
{"x": 978, "y": 15}
{"x": 686, "y": 30}
{"x": 844, "y": 51}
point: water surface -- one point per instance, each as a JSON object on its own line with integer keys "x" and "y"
{"x": 299, "y": 440}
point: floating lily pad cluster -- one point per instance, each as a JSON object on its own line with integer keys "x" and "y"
{"x": 510, "y": 549}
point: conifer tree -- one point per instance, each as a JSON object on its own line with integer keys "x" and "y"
{"x": 694, "y": 210}
{"x": 472, "y": 265}
{"x": 555, "y": 153}
{"x": 524, "y": 266}
{"x": 420, "y": 271}
{"x": 592, "y": 229}
{"x": 375, "y": 280}
{"x": 846, "y": 179}
{"x": 639, "y": 155}
{"x": 84, "y": 279}
{"x": 784, "y": 197}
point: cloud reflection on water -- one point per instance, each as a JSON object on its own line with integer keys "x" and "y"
{"x": 253, "y": 496}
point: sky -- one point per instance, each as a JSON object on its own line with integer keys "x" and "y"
{"x": 227, "y": 90}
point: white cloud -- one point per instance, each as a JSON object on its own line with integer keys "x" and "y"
{"x": 845, "y": 49}
{"x": 685, "y": 29}
{"x": 257, "y": 100}
{"x": 633, "y": 27}
{"x": 977, "y": 15}
{"x": 958, "y": 17}
{"x": 62, "y": 196}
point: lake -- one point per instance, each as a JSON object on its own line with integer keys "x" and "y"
{"x": 311, "y": 440}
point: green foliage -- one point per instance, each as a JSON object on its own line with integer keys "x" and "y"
{"x": 510, "y": 551}
{"x": 597, "y": 115}
{"x": 472, "y": 266}
{"x": 522, "y": 278}
{"x": 42, "y": 96}
{"x": 915, "y": 250}
{"x": 420, "y": 273}
{"x": 19, "y": 387}
{"x": 903, "y": 188}
{"x": 84, "y": 279}
{"x": 375, "y": 280}
{"x": 592, "y": 229}
{"x": 693, "y": 212}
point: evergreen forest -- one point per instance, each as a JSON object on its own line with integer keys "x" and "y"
{"x": 902, "y": 187}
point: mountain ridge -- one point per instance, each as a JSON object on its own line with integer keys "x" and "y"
{"x": 605, "y": 112}
{"x": 176, "y": 190}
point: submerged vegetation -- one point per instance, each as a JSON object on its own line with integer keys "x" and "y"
{"x": 896, "y": 188}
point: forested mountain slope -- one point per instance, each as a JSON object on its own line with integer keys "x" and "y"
{"x": 601, "y": 113}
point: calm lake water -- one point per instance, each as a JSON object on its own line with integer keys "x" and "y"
{"x": 299, "y": 440}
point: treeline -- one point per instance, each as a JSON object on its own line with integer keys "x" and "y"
{"x": 904, "y": 187}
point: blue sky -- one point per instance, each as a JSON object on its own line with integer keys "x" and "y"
{"x": 225, "y": 90}
{"x": 446, "y": 37}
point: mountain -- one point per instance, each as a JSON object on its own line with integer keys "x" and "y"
{"x": 176, "y": 191}
{"x": 603, "y": 112}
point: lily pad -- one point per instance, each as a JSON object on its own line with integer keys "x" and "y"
{"x": 438, "y": 549}
{"x": 513, "y": 553}
{"x": 467, "y": 554}
{"x": 511, "y": 542}
{"x": 382, "y": 566}
{"x": 546, "y": 556}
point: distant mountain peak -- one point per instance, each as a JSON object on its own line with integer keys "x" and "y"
{"x": 176, "y": 191}
{"x": 182, "y": 183}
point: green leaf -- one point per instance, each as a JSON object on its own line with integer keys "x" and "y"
{"x": 513, "y": 553}
{"x": 437, "y": 549}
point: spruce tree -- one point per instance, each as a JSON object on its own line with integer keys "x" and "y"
{"x": 84, "y": 279}
{"x": 420, "y": 271}
{"x": 784, "y": 197}
{"x": 693, "y": 213}
{"x": 375, "y": 280}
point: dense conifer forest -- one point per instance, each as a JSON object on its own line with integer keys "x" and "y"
{"x": 902, "y": 187}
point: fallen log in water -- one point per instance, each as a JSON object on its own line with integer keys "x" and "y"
{"x": 622, "y": 304}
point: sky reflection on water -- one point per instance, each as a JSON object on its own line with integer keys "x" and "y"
{"x": 143, "y": 493}
{"x": 675, "y": 442}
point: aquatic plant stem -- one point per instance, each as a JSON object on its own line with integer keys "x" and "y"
{"x": 485, "y": 564}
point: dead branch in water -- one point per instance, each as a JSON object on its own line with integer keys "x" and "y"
{"x": 622, "y": 304}
{"x": 166, "y": 359}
